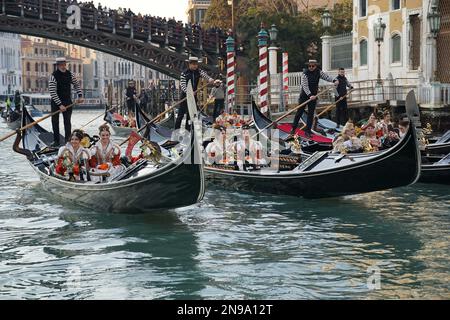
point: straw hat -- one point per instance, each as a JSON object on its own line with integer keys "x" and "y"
{"x": 311, "y": 61}
{"x": 60, "y": 60}
{"x": 193, "y": 59}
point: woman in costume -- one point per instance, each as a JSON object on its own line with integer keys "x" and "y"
{"x": 105, "y": 157}
{"x": 72, "y": 157}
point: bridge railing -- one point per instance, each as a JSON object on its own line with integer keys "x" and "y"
{"x": 145, "y": 28}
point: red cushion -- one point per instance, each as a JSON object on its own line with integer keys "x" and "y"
{"x": 287, "y": 127}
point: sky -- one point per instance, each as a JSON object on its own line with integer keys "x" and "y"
{"x": 162, "y": 8}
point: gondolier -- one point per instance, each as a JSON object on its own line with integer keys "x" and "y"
{"x": 310, "y": 87}
{"x": 131, "y": 97}
{"x": 61, "y": 97}
{"x": 341, "y": 90}
{"x": 193, "y": 74}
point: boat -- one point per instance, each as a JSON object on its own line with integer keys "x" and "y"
{"x": 440, "y": 147}
{"x": 13, "y": 119}
{"x": 311, "y": 144}
{"x": 144, "y": 185}
{"x": 435, "y": 169}
{"x": 323, "y": 174}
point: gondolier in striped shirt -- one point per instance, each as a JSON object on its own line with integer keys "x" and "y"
{"x": 61, "y": 97}
{"x": 309, "y": 89}
{"x": 193, "y": 74}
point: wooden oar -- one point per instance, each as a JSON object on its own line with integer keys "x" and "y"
{"x": 33, "y": 123}
{"x": 291, "y": 111}
{"x": 162, "y": 113}
{"x": 96, "y": 118}
{"x": 331, "y": 106}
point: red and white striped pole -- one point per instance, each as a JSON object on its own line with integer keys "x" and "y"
{"x": 285, "y": 77}
{"x": 231, "y": 64}
{"x": 263, "y": 36}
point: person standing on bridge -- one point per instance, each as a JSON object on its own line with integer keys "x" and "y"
{"x": 61, "y": 97}
{"x": 310, "y": 87}
{"x": 193, "y": 74}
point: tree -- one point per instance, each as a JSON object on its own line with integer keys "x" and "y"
{"x": 218, "y": 15}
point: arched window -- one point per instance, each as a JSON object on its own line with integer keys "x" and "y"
{"x": 36, "y": 67}
{"x": 28, "y": 66}
{"x": 42, "y": 67}
{"x": 363, "y": 52}
{"x": 46, "y": 67}
{"x": 396, "y": 45}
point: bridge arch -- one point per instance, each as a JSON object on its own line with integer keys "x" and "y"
{"x": 152, "y": 42}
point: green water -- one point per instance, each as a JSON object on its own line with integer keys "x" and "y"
{"x": 230, "y": 246}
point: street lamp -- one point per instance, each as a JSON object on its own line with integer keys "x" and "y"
{"x": 326, "y": 20}
{"x": 378, "y": 30}
{"x": 434, "y": 19}
{"x": 273, "y": 33}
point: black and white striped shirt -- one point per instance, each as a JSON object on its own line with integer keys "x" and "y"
{"x": 305, "y": 85}
{"x": 53, "y": 88}
{"x": 194, "y": 77}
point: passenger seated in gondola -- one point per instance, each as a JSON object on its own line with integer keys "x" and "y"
{"x": 72, "y": 158}
{"x": 249, "y": 151}
{"x": 105, "y": 157}
{"x": 369, "y": 140}
{"x": 218, "y": 151}
{"x": 391, "y": 139}
{"x": 403, "y": 128}
{"x": 385, "y": 124}
{"x": 347, "y": 141}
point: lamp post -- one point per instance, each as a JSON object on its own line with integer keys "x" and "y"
{"x": 434, "y": 20}
{"x": 378, "y": 30}
{"x": 273, "y": 35}
{"x": 326, "y": 23}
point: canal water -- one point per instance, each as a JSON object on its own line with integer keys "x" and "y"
{"x": 233, "y": 245}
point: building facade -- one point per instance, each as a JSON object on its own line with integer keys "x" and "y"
{"x": 10, "y": 64}
{"x": 197, "y": 10}
{"x": 38, "y": 63}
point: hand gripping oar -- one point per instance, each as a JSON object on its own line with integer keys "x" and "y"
{"x": 291, "y": 111}
{"x": 33, "y": 123}
{"x": 331, "y": 106}
{"x": 162, "y": 113}
{"x": 110, "y": 109}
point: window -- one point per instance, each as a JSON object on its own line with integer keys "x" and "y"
{"x": 363, "y": 53}
{"x": 36, "y": 51}
{"x": 395, "y": 4}
{"x": 362, "y": 8}
{"x": 46, "y": 67}
{"x": 79, "y": 68}
{"x": 396, "y": 45}
{"x": 36, "y": 67}
{"x": 28, "y": 66}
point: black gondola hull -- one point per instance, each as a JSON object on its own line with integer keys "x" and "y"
{"x": 435, "y": 174}
{"x": 396, "y": 167}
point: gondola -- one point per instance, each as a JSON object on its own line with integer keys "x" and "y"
{"x": 142, "y": 187}
{"x": 315, "y": 143}
{"x": 13, "y": 119}
{"x": 322, "y": 174}
{"x": 440, "y": 147}
{"x": 435, "y": 169}
{"x": 116, "y": 124}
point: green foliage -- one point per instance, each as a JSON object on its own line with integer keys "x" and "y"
{"x": 218, "y": 15}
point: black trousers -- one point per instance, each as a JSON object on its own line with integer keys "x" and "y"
{"x": 67, "y": 115}
{"x": 298, "y": 115}
{"x": 183, "y": 110}
{"x": 341, "y": 111}
{"x": 219, "y": 105}
{"x": 131, "y": 106}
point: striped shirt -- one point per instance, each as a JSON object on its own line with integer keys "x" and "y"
{"x": 305, "y": 85}
{"x": 190, "y": 75}
{"x": 53, "y": 86}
